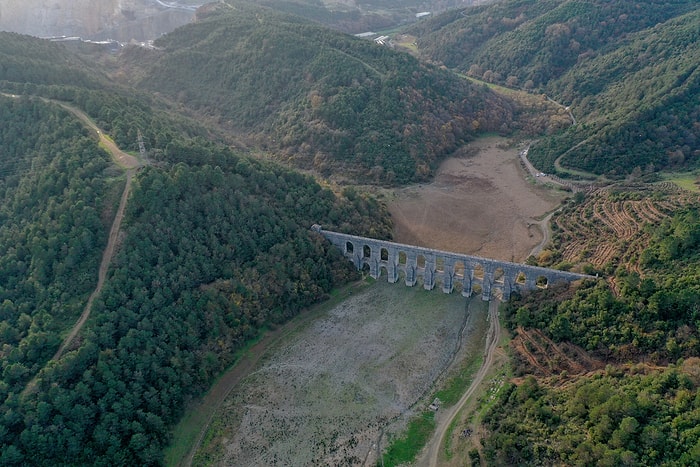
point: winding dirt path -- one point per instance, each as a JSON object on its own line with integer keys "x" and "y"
{"x": 104, "y": 266}
{"x": 128, "y": 162}
{"x": 544, "y": 226}
{"x": 121, "y": 158}
{"x": 432, "y": 451}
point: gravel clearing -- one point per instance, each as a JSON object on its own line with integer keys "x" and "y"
{"x": 324, "y": 395}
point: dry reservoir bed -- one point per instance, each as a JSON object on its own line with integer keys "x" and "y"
{"x": 323, "y": 395}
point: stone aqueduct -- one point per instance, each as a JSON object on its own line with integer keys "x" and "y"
{"x": 435, "y": 266}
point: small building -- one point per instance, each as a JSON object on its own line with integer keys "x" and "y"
{"x": 382, "y": 40}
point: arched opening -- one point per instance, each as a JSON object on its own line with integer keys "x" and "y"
{"x": 476, "y": 289}
{"x": 384, "y": 254}
{"x": 402, "y": 258}
{"x": 458, "y": 287}
{"x": 349, "y": 247}
{"x": 440, "y": 264}
{"x": 383, "y": 273}
{"x": 420, "y": 262}
{"x": 541, "y": 282}
{"x": 521, "y": 278}
{"x": 439, "y": 284}
{"x": 366, "y": 251}
{"x": 401, "y": 276}
{"x": 459, "y": 269}
{"x": 499, "y": 276}
{"x": 365, "y": 269}
{"x": 479, "y": 271}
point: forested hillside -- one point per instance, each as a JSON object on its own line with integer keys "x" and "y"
{"x": 214, "y": 248}
{"x": 627, "y": 69}
{"x": 35, "y": 67}
{"x": 318, "y": 98}
{"x": 643, "y": 409}
{"x": 54, "y": 197}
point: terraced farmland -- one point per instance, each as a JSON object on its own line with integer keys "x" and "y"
{"x": 609, "y": 225}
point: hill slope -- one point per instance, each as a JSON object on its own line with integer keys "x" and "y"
{"x": 323, "y": 99}
{"x": 214, "y": 247}
{"x": 628, "y": 70}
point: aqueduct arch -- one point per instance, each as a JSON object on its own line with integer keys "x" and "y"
{"x": 433, "y": 266}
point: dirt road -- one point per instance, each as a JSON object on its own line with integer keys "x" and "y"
{"x": 121, "y": 158}
{"x": 444, "y": 419}
{"x": 546, "y": 234}
{"x": 125, "y": 161}
{"x": 104, "y": 266}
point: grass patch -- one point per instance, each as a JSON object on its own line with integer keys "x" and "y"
{"x": 405, "y": 449}
{"x": 455, "y": 387}
{"x": 689, "y": 181}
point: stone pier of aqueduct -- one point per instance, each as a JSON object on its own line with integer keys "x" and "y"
{"x": 409, "y": 262}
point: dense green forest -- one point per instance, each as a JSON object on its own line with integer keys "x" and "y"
{"x": 212, "y": 254}
{"x": 215, "y": 247}
{"x": 627, "y": 69}
{"x": 316, "y": 97}
{"x": 54, "y": 190}
{"x": 641, "y": 417}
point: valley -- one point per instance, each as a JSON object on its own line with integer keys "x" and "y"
{"x": 243, "y": 408}
{"x": 258, "y": 124}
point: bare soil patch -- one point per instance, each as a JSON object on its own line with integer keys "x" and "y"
{"x": 324, "y": 395}
{"x": 481, "y": 204}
